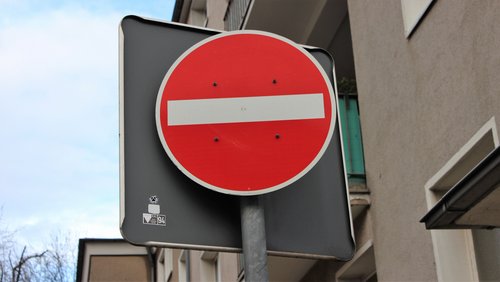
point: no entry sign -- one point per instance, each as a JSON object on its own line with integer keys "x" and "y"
{"x": 245, "y": 112}
{"x": 310, "y": 218}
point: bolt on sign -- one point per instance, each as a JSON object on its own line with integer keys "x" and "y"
{"x": 241, "y": 113}
{"x": 245, "y": 112}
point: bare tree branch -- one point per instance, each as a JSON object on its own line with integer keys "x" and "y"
{"x": 56, "y": 261}
{"x": 17, "y": 269}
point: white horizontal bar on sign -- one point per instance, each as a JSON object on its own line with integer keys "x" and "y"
{"x": 245, "y": 109}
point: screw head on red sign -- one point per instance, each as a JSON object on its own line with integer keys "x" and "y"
{"x": 245, "y": 112}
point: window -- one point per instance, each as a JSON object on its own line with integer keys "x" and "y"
{"x": 454, "y": 250}
{"x": 413, "y": 13}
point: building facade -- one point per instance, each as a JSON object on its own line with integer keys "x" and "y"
{"x": 419, "y": 80}
{"x": 424, "y": 76}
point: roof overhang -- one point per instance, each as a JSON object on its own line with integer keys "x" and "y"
{"x": 319, "y": 23}
{"x": 307, "y": 22}
{"x": 181, "y": 11}
{"x": 474, "y": 202}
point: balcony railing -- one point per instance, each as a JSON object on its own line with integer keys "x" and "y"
{"x": 351, "y": 137}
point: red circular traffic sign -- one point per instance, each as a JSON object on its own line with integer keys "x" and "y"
{"x": 245, "y": 112}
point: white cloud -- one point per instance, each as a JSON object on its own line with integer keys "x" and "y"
{"x": 59, "y": 123}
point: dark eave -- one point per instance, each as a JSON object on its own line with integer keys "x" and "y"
{"x": 454, "y": 210}
{"x": 176, "y": 15}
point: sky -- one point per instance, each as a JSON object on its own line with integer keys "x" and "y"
{"x": 59, "y": 155}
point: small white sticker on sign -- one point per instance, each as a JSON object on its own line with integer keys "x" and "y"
{"x": 153, "y": 216}
{"x": 154, "y": 219}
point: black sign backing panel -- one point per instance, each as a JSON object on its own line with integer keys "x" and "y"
{"x": 159, "y": 205}
{"x": 312, "y": 214}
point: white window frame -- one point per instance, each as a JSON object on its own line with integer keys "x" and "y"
{"x": 181, "y": 266}
{"x": 413, "y": 12}
{"x": 164, "y": 264}
{"x": 454, "y": 249}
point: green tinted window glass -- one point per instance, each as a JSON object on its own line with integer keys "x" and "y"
{"x": 351, "y": 137}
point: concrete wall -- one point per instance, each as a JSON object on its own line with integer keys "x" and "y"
{"x": 420, "y": 100}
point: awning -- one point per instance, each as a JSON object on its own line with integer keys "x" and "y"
{"x": 474, "y": 202}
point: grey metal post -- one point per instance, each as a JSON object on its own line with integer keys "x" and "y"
{"x": 254, "y": 239}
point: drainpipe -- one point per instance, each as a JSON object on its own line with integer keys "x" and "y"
{"x": 188, "y": 266}
{"x": 152, "y": 263}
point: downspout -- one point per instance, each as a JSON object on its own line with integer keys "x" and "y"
{"x": 152, "y": 263}
{"x": 188, "y": 266}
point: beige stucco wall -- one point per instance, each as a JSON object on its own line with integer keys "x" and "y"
{"x": 216, "y": 10}
{"x": 175, "y": 265}
{"x": 119, "y": 268}
{"x": 228, "y": 264}
{"x": 207, "y": 13}
{"x": 420, "y": 99}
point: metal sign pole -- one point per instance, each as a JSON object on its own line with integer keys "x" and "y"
{"x": 254, "y": 239}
